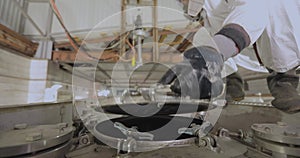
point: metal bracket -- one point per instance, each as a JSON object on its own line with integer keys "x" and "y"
{"x": 197, "y": 130}
{"x": 193, "y": 130}
{"x": 245, "y": 136}
{"x": 208, "y": 141}
{"x": 128, "y": 145}
{"x": 132, "y": 134}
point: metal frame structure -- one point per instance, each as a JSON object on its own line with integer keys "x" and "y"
{"x": 155, "y": 50}
{"x": 46, "y": 37}
{"x": 20, "y": 7}
{"x": 15, "y": 13}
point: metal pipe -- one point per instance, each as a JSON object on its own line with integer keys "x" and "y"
{"x": 155, "y": 32}
{"x": 3, "y": 10}
{"x": 11, "y": 17}
{"x": 115, "y": 28}
{"x": 15, "y": 19}
{"x": 47, "y": 45}
{"x": 22, "y": 20}
{"x": 123, "y": 27}
{"x": 139, "y": 45}
{"x": 49, "y": 22}
{"x": 38, "y": 1}
{"x": 24, "y": 13}
{"x": 7, "y": 10}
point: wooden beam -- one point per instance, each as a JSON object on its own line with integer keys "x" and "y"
{"x": 162, "y": 38}
{"x": 176, "y": 41}
{"x": 72, "y": 56}
{"x": 116, "y": 37}
{"x": 12, "y": 40}
{"x": 186, "y": 42}
{"x": 176, "y": 31}
{"x": 111, "y": 56}
{"x": 96, "y": 40}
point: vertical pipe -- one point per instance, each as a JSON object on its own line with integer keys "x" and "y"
{"x": 1, "y": 8}
{"x": 18, "y": 18}
{"x": 7, "y": 10}
{"x": 155, "y": 32}
{"x": 4, "y": 11}
{"x": 28, "y": 17}
{"x": 13, "y": 18}
{"x": 48, "y": 43}
{"x": 123, "y": 27}
{"x": 22, "y": 17}
{"x": 140, "y": 59}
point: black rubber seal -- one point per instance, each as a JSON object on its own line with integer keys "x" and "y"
{"x": 237, "y": 34}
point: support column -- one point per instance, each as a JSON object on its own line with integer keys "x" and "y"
{"x": 155, "y": 32}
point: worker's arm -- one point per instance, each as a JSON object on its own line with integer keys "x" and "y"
{"x": 200, "y": 72}
{"x": 243, "y": 26}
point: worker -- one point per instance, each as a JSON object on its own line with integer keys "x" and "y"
{"x": 246, "y": 58}
{"x": 275, "y": 29}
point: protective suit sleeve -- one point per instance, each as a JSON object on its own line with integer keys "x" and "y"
{"x": 226, "y": 46}
{"x": 245, "y": 22}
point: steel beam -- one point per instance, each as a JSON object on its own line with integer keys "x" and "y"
{"x": 155, "y": 32}
{"x": 25, "y": 14}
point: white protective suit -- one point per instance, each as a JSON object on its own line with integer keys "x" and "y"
{"x": 273, "y": 24}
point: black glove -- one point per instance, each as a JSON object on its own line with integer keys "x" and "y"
{"x": 198, "y": 75}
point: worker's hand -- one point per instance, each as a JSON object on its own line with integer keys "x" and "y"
{"x": 198, "y": 76}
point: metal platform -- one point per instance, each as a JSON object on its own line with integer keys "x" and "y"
{"x": 230, "y": 149}
{"x": 280, "y": 139}
{"x": 36, "y": 141}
